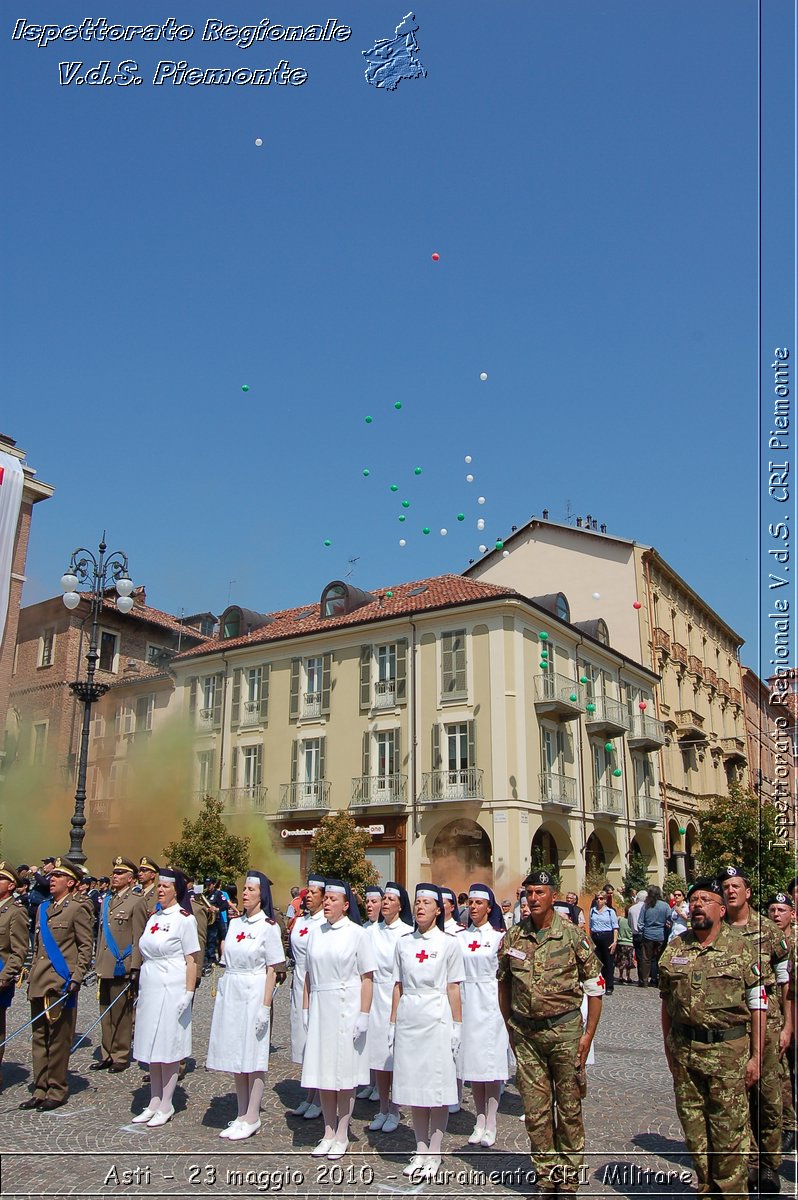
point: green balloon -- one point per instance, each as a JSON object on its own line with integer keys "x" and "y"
{"x": 405, "y": 504}
{"x": 417, "y": 471}
{"x": 617, "y": 772}
{"x": 583, "y": 679}
{"x": 398, "y": 404}
{"x": 591, "y": 708}
{"x": 608, "y": 746}
{"x": 369, "y": 420}
{"x": 572, "y": 697}
{"x": 394, "y": 487}
{"x": 403, "y": 517}
{"x": 500, "y": 545}
{"x": 327, "y": 542}
{"x": 543, "y": 664}
{"x": 461, "y": 516}
{"x": 425, "y": 529}
{"x": 244, "y": 387}
{"x": 543, "y": 636}
{"x": 366, "y": 472}
{"x": 389, "y": 595}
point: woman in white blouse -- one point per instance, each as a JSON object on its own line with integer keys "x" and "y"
{"x": 239, "y": 1040}
{"x": 397, "y": 920}
{"x": 166, "y": 989}
{"x": 425, "y": 1027}
{"x": 337, "y": 1000}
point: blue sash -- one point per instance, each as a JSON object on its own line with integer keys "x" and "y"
{"x": 6, "y": 993}
{"x": 119, "y": 966}
{"x": 54, "y": 954}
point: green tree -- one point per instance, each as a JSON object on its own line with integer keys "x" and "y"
{"x": 537, "y": 864}
{"x": 739, "y": 830}
{"x": 673, "y": 882}
{"x": 339, "y": 852}
{"x": 635, "y": 878}
{"x": 205, "y": 848}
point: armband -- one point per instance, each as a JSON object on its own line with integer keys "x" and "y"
{"x": 782, "y": 970}
{"x": 756, "y": 998}
{"x": 594, "y": 987}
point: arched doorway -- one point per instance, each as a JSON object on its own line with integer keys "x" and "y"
{"x": 461, "y": 853}
{"x": 690, "y": 845}
{"x": 595, "y": 858}
{"x": 544, "y": 852}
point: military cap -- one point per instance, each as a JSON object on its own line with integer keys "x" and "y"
{"x": 779, "y": 898}
{"x": 123, "y": 864}
{"x": 733, "y": 873}
{"x": 48, "y": 859}
{"x": 704, "y": 884}
{"x": 538, "y": 877}
{"x": 148, "y": 865}
{"x": 8, "y": 872}
{"x": 67, "y": 868}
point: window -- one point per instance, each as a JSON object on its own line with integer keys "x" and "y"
{"x": 205, "y": 700}
{"x": 556, "y": 749}
{"x": 248, "y": 768}
{"x": 311, "y": 680}
{"x": 390, "y": 685}
{"x": 47, "y": 647}
{"x": 117, "y": 780}
{"x": 602, "y": 632}
{"x": 562, "y": 608}
{"x": 39, "y": 743}
{"x": 453, "y": 665}
{"x": 335, "y": 600}
{"x": 97, "y": 726}
{"x": 250, "y": 698}
{"x": 206, "y": 627}
{"x": 644, "y": 778}
{"x": 109, "y": 651}
{"x": 387, "y": 753}
{"x": 311, "y": 760}
{"x": 145, "y": 706}
{"x": 205, "y": 771}
{"x": 123, "y": 719}
{"x": 231, "y": 627}
{"x": 602, "y": 765}
{"x": 155, "y": 655}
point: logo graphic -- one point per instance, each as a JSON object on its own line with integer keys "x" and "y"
{"x": 390, "y": 60}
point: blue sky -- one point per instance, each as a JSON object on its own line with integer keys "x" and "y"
{"x": 587, "y": 173}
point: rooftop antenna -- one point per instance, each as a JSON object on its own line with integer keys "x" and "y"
{"x": 351, "y": 562}
{"x": 230, "y": 583}
{"x": 568, "y": 512}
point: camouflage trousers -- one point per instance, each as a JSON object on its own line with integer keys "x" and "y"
{"x": 712, "y": 1105}
{"x": 765, "y": 1104}
{"x": 788, "y": 1119}
{"x": 546, "y": 1078}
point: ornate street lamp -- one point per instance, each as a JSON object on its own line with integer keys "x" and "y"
{"x": 100, "y": 573}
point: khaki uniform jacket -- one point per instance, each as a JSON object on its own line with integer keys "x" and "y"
{"x": 121, "y": 920}
{"x": 705, "y": 986}
{"x": 144, "y": 910}
{"x": 13, "y": 939}
{"x": 767, "y": 946}
{"x": 72, "y": 927}
{"x": 546, "y": 968}
{"x": 202, "y": 915}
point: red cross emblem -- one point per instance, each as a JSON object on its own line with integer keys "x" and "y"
{"x": 601, "y": 982}
{"x": 422, "y": 956}
{"x": 302, "y": 932}
{"x": 154, "y": 928}
{"x": 240, "y": 937}
{"x": 473, "y": 946}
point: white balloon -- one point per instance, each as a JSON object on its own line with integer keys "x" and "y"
{"x": 481, "y": 500}
{"x": 597, "y": 595}
{"x": 481, "y": 524}
{"x": 468, "y": 458}
{"x": 505, "y": 553}
{"x": 469, "y": 478}
{"x": 484, "y": 376}
{"x": 444, "y": 532}
{"x": 258, "y": 141}
{"x": 482, "y": 549}
{"x": 402, "y": 542}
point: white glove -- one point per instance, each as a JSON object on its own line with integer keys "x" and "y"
{"x": 184, "y": 1003}
{"x": 361, "y": 1026}
{"x": 305, "y": 1019}
{"x": 263, "y": 1020}
{"x": 391, "y": 1034}
{"x": 457, "y": 1036}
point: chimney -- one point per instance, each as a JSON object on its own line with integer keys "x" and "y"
{"x": 578, "y": 522}
{"x": 603, "y": 527}
{"x": 545, "y": 514}
{"x": 139, "y": 595}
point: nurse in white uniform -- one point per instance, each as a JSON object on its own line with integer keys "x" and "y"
{"x": 309, "y": 1108}
{"x": 450, "y": 922}
{"x": 397, "y": 920}
{"x": 239, "y": 1041}
{"x": 373, "y": 906}
{"x": 485, "y": 1045}
{"x": 166, "y": 989}
{"x": 338, "y": 988}
{"x": 426, "y": 1027}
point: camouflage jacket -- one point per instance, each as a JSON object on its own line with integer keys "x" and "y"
{"x": 546, "y": 968}
{"x": 705, "y": 985}
{"x": 768, "y": 947}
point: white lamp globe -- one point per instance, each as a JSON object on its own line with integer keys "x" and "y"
{"x": 124, "y": 586}
{"x": 71, "y": 599}
{"x": 124, "y": 603}
{"x": 69, "y": 582}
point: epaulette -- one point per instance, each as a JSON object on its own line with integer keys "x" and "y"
{"x": 183, "y": 913}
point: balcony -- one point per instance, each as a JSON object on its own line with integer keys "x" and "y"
{"x": 662, "y": 640}
{"x": 250, "y": 714}
{"x": 710, "y": 677}
{"x": 556, "y": 695}
{"x": 385, "y": 693}
{"x": 557, "y": 791}
{"x": 205, "y": 720}
{"x": 690, "y": 726}
{"x": 607, "y": 801}
{"x": 695, "y": 666}
{"x": 248, "y": 799}
{"x": 368, "y": 792}
{"x": 311, "y": 705}
{"x": 305, "y": 797}
{"x": 98, "y": 811}
{"x": 464, "y": 783}
{"x": 679, "y": 653}
{"x": 610, "y": 717}
{"x": 648, "y": 810}
{"x": 723, "y": 687}
{"x": 647, "y": 733}
{"x": 733, "y": 749}
{"x": 734, "y": 696}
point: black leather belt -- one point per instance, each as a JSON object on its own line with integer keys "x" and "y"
{"x": 710, "y": 1036}
{"x": 535, "y": 1026}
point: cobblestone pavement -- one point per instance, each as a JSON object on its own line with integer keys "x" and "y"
{"x": 88, "y": 1148}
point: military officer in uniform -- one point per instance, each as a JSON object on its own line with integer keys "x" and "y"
{"x": 114, "y": 952}
{"x": 545, "y": 967}
{"x": 62, "y": 947}
{"x": 13, "y": 941}
{"x": 768, "y": 947}
{"x": 780, "y": 910}
{"x": 713, "y": 1021}
{"x": 148, "y": 896}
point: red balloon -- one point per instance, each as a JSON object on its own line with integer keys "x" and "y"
{"x": 637, "y": 604}
{"x": 642, "y": 706}
{"x": 435, "y": 257}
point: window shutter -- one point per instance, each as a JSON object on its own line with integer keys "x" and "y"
{"x": 322, "y": 758}
{"x": 397, "y": 747}
{"x": 566, "y": 744}
{"x": 265, "y": 672}
{"x": 401, "y": 671}
{"x": 365, "y": 677}
{"x": 234, "y": 768}
{"x": 293, "y": 706}
{"x": 447, "y": 682}
{"x": 472, "y": 743}
{"x": 192, "y": 694}
{"x": 366, "y": 754}
{"x": 218, "y": 693}
{"x": 211, "y": 769}
{"x": 235, "y": 706}
{"x": 459, "y": 657}
{"x": 258, "y": 780}
{"x": 436, "y": 747}
{"x": 294, "y": 758}
{"x": 326, "y": 671}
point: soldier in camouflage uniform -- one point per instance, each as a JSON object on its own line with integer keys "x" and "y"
{"x": 781, "y": 912}
{"x": 545, "y": 966}
{"x": 770, "y": 950}
{"x": 709, "y": 985}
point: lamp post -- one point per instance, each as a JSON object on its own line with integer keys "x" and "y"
{"x": 100, "y": 573}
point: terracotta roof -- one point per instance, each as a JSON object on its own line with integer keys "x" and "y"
{"x": 442, "y": 591}
{"x": 153, "y": 616}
